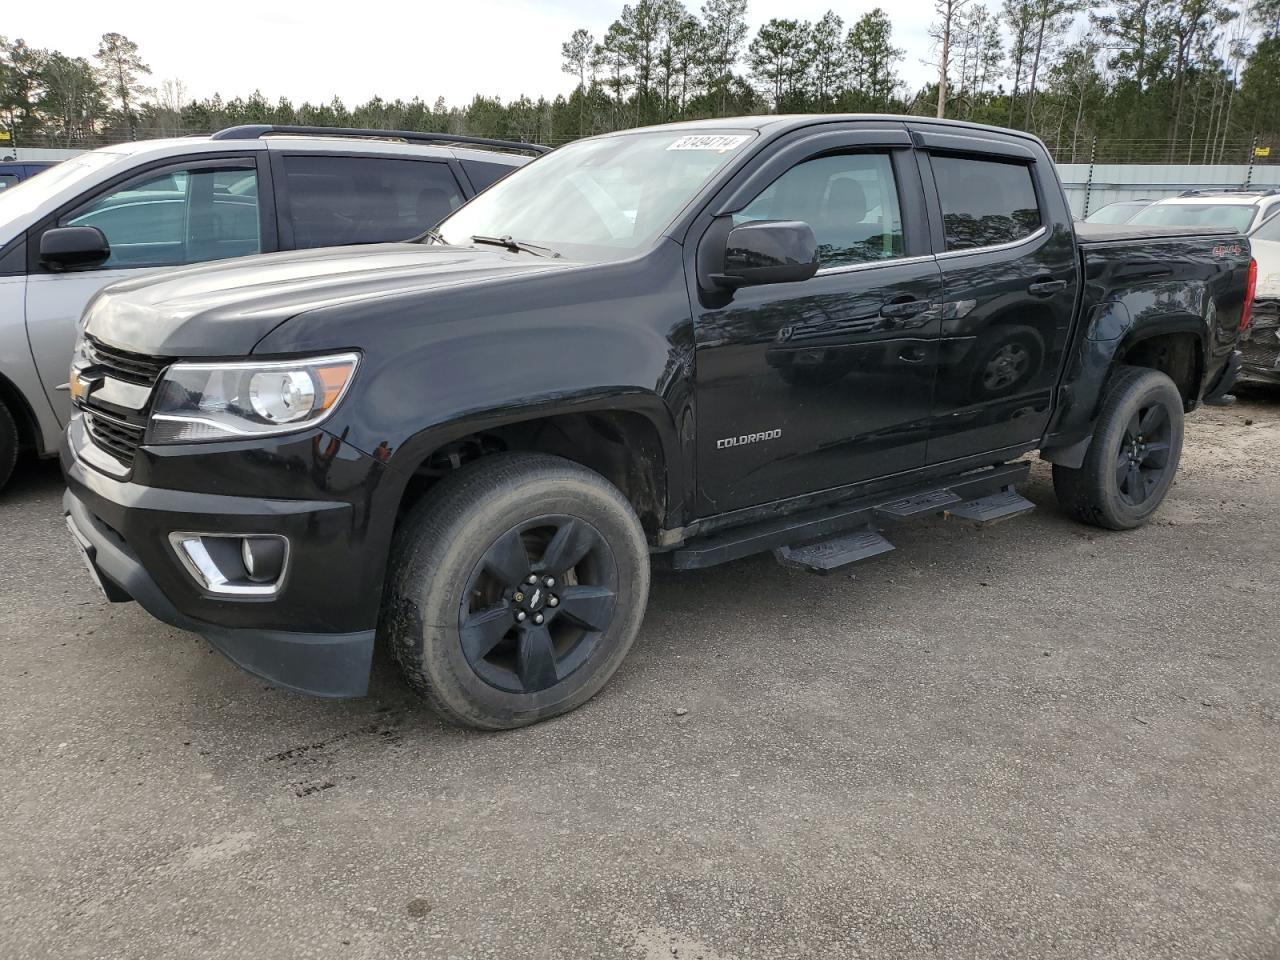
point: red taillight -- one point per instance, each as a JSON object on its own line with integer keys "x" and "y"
{"x": 1246, "y": 315}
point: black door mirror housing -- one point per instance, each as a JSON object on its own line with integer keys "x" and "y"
{"x": 768, "y": 251}
{"x": 64, "y": 248}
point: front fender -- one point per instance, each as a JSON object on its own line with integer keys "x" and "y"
{"x": 604, "y": 337}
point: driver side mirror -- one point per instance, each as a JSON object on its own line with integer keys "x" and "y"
{"x": 63, "y": 248}
{"x": 768, "y": 251}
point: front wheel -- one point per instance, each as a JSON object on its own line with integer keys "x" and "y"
{"x": 1132, "y": 460}
{"x": 517, "y": 588}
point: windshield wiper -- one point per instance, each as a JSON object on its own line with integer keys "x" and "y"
{"x": 434, "y": 236}
{"x": 516, "y": 246}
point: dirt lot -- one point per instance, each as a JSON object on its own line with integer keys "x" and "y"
{"x": 1036, "y": 740}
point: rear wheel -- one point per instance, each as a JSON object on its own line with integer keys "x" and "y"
{"x": 1132, "y": 460}
{"x": 517, "y": 589}
{"x": 8, "y": 444}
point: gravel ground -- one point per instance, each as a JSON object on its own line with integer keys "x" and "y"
{"x": 1033, "y": 740}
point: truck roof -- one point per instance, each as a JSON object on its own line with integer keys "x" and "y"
{"x": 789, "y": 121}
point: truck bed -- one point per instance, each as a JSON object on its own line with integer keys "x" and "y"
{"x": 1099, "y": 233}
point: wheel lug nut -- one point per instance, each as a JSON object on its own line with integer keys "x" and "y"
{"x": 538, "y": 619}
{"x": 532, "y": 578}
{"x": 520, "y": 615}
{"x": 519, "y": 598}
{"x": 550, "y": 581}
{"x": 553, "y": 602}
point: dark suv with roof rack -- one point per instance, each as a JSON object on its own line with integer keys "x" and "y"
{"x": 113, "y": 213}
{"x": 694, "y": 343}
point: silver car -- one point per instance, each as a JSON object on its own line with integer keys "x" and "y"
{"x": 116, "y": 212}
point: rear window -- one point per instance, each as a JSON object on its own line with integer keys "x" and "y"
{"x": 985, "y": 202}
{"x": 1222, "y": 216}
{"x": 334, "y": 201}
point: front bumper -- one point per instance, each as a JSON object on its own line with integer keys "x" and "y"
{"x": 315, "y": 636}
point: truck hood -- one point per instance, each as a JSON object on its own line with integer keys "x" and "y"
{"x": 223, "y": 309}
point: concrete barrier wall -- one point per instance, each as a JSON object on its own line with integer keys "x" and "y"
{"x": 34, "y": 153}
{"x": 1087, "y": 189}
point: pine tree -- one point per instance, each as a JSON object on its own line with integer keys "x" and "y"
{"x": 777, "y": 58}
{"x": 122, "y": 69}
{"x": 724, "y": 27}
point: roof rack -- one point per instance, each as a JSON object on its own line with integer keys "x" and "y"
{"x": 255, "y": 131}
{"x": 1259, "y": 191}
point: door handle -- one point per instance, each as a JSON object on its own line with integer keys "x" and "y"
{"x": 904, "y": 308}
{"x": 1042, "y": 288}
{"x": 912, "y": 354}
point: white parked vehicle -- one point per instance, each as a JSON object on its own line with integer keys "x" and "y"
{"x": 1260, "y": 344}
{"x": 116, "y": 212}
{"x": 1229, "y": 209}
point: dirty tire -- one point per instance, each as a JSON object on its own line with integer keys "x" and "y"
{"x": 8, "y": 444}
{"x": 1108, "y": 490}
{"x": 450, "y": 610}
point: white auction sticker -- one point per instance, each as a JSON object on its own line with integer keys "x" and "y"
{"x": 721, "y": 142}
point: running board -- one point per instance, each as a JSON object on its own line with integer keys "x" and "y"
{"x": 827, "y": 556}
{"x": 823, "y": 524}
{"x": 1005, "y": 505}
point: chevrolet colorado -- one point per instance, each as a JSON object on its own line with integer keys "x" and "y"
{"x": 692, "y": 343}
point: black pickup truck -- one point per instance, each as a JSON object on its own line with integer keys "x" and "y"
{"x": 688, "y": 343}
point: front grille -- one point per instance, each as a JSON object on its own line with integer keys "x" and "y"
{"x": 123, "y": 365}
{"x": 118, "y": 432}
{"x": 116, "y": 436}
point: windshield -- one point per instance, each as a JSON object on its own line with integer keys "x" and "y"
{"x": 1226, "y": 216}
{"x": 601, "y": 199}
{"x": 1114, "y": 213}
{"x": 30, "y": 194}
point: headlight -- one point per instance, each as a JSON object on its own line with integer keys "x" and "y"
{"x": 221, "y": 401}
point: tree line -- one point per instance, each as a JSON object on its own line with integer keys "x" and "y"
{"x": 1149, "y": 80}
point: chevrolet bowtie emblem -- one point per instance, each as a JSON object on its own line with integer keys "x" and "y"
{"x": 79, "y": 387}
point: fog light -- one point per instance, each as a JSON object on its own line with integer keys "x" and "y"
{"x": 233, "y": 564}
{"x": 263, "y": 558}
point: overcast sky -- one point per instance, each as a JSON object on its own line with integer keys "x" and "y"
{"x": 429, "y": 48}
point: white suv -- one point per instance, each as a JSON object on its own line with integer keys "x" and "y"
{"x": 1240, "y": 210}
{"x": 116, "y": 212}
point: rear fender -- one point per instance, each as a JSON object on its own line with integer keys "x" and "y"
{"x": 1112, "y": 332}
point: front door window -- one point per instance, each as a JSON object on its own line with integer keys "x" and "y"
{"x": 176, "y": 217}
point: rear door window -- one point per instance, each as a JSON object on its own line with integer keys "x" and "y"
{"x": 985, "y": 202}
{"x": 335, "y": 201}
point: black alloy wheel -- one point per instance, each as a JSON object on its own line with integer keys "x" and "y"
{"x": 1143, "y": 458}
{"x": 1131, "y": 462}
{"x": 537, "y": 603}
{"x": 516, "y": 587}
